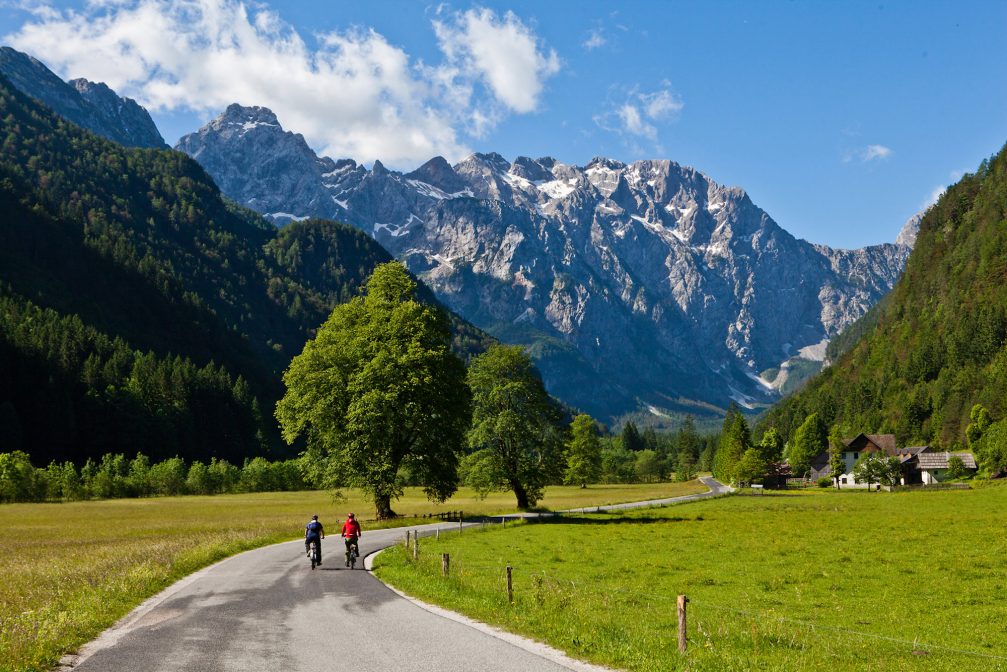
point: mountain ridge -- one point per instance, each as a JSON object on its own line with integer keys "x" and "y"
{"x": 90, "y": 105}
{"x": 660, "y": 285}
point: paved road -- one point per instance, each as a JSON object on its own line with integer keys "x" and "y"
{"x": 265, "y": 610}
{"x": 716, "y": 488}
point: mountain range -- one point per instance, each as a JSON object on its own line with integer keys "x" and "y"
{"x": 643, "y": 287}
{"x": 636, "y": 286}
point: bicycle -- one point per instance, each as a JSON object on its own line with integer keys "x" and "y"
{"x": 313, "y": 551}
{"x": 351, "y": 555}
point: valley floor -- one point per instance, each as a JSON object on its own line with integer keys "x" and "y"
{"x": 71, "y": 570}
{"x": 782, "y": 581}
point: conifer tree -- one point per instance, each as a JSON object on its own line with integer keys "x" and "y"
{"x": 583, "y": 452}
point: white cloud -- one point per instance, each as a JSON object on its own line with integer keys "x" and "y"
{"x": 595, "y": 39}
{"x": 872, "y": 152}
{"x": 934, "y": 196}
{"x": 355, "y": 94}
{"x": 867, "y": 154}
{"x": 632, "y": 122}
{"x": 638, "y": 113}
{"x": 503, "y": 53}
{"x": 661, "y": 105}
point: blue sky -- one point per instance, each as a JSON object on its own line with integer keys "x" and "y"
{"x": 841, "y": 120}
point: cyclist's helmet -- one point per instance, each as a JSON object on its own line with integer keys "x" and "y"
{"x": 314, "y": 517}
{"x": 351, "y": 515}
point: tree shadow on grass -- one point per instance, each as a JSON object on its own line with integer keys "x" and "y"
{"x": 610, "y": 520}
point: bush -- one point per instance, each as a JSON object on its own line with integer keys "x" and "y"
{"x": 824, "y": 482}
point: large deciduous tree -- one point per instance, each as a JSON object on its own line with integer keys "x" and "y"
{"x": 378, "y": 388}
{"x": 515, "y": 425}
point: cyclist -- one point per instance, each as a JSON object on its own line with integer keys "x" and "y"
{"x": 314, "y": 531}
{"x": 351, "y": 531}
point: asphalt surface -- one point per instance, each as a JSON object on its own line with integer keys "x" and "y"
{"x": 266, "y": 610}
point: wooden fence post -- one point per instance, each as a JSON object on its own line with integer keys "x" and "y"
{"x": 682, "y": 601}
{"x": 416, "y": 547}
{"x": 407, "y": 538}
{"x": 510, "y": 586}
{"x": 460, "y": 520}
{"x": 437, "y": 534}
{"x": 445, "y": 563}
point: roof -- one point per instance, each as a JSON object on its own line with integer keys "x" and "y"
{"x": 908, "y": 454}
{"x": 861, "y": 443}
{"x": 820, "y": 461}
{"x": 928, "y": 460}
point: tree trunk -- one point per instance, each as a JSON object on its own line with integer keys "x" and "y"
{"x": 521, "y": 494}
{"x": 383, "y": 507}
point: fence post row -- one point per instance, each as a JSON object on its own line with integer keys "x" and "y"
{"x": 682, "y": 601}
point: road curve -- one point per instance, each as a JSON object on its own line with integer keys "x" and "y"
{"x": 266, "y": 610}
{"x": 716, "y": 489}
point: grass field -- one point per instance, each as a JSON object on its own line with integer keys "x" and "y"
{"x": 785, "y": 581}
{"x": 71, "y": 570}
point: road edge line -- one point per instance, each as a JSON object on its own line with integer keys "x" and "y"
{"x": 532, "y": 646}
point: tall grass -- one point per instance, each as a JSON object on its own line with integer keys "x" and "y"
{"x": 70, "y": 570}
{"x": 809, "y": 581}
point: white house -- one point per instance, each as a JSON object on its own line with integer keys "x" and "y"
{"x": 933, "y": 467}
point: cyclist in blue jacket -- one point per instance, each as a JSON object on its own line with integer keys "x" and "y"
{"x": 314, "y": 531}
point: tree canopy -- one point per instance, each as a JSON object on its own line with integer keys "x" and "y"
{"x": 515, "y": 425}
{"x": 378, "y": 389}
{"x": 810, "y": 439}
{"x": 583, "y": 452}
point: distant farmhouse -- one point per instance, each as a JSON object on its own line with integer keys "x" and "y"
{"x": 920, "y": 464}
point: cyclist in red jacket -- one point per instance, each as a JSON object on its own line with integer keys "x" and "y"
{"x": 351, "y": 531}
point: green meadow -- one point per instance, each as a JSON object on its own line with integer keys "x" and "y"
{"x": 71, "y": 570}
{"x": 817, "y": 580}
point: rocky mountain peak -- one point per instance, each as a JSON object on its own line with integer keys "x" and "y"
{"x": 241, "y": 119}
{"x": 480, "y": 162}
{"x": 602, "y": 162}
{"x": 89, "y": 105}
{"x": 907, "y": 235}
{"x": 124, "y": 113}
{"x": 531, "y": 170}
{"x": 437, "y": 172}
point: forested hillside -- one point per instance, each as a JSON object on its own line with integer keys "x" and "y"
{"x": 936, "y": 345}
{"x": 141, "y": 311}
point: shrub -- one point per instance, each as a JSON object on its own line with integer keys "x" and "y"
{"x": 824, "y": 482}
